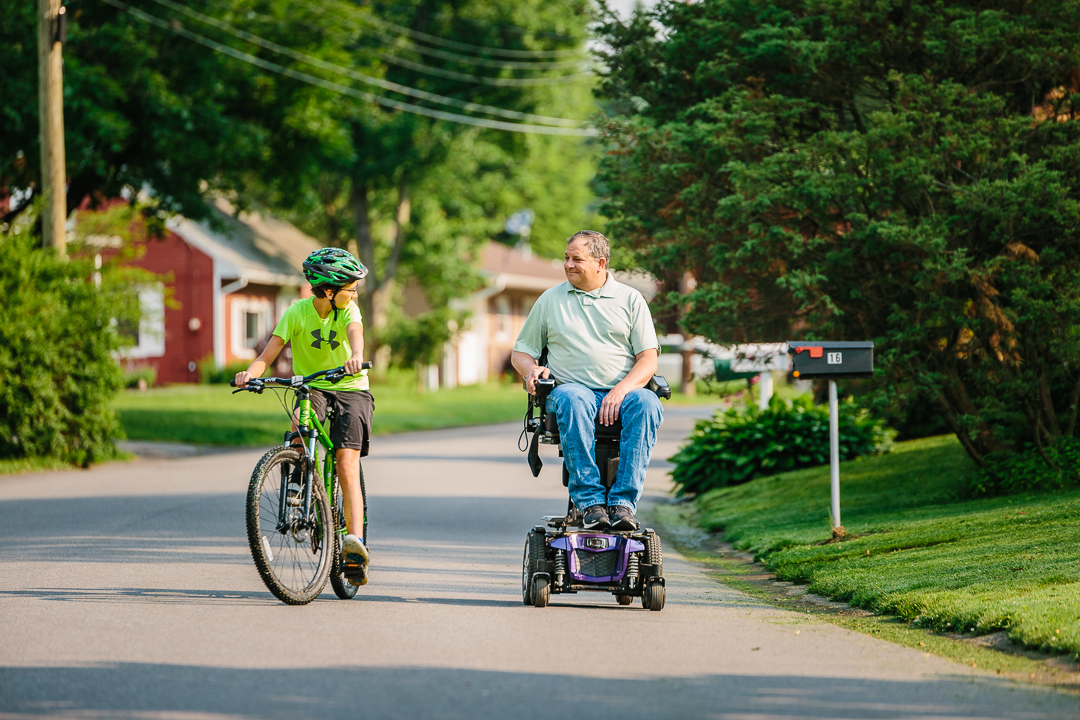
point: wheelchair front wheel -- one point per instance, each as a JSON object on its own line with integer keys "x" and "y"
{"x": 653, "y": 597}
{"x": 541, "y": 591}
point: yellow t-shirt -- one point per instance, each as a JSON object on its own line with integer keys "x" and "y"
{"x": 321, "y": 343}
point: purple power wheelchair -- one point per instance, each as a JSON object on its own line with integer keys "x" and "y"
{"x": 562, "y": 557}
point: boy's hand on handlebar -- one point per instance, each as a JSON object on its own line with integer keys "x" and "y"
{"x": 353, "y": 366}
{"x": 537, "y": 372}
{"x": 242, "y": 378}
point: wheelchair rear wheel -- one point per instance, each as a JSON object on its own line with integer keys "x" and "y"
{"x": 535, "y": 550}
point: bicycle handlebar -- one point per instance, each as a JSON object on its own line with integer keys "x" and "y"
{"x": 334, "y": 375}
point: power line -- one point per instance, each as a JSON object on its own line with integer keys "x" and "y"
{"x": 369, "y": 79}
{"x": 345, "y": 90}
{"x": 443, "y": 42}
{"x": 498, "y": 82}
{"x": 482, "y": 62}
{"x": 516, "y": 29}
{"x": 455, "y": 75}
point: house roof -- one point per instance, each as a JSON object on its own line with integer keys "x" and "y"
{"x": 523, "y": 271}
{"x": 516, "y": 270}
{"x": 254, "y": 247}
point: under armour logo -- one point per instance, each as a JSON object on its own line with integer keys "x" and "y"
{"x": 317, "y": 334}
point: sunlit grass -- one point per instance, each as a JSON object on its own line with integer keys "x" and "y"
{"x": 211, "y": 415}
{"x": 919, "y": 551}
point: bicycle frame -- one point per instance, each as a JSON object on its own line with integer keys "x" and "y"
{"x": 314, "y": 434}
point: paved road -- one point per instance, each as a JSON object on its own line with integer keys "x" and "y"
{"x": 128, "y": 592}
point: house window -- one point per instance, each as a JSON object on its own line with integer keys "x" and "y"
{"x": 255, "y": 327}
{"x": 252, "y": 319}
{"x": 502, "y": 318}
{"x": 148, "y": 339}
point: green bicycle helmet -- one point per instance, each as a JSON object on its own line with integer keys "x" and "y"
{"x": 333, "y": 266}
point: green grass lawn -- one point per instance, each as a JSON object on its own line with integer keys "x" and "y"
{"x": 920, "y": 553}
{"x": 212, "y": 415}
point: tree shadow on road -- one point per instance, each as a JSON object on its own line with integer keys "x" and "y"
{"x": 629, "y": 691}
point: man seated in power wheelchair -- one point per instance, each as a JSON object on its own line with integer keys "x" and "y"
{"x": 588, "y": 356}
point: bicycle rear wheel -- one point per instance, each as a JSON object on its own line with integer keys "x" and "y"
{"x": 292, "y": 549}
{"x": 342, "y": 587}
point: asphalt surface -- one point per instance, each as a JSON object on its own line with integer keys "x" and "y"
{"x": 127, "y": 591}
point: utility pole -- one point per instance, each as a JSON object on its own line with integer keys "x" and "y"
{"x": 688, "y": 383}
{"x": 51, "y": 32}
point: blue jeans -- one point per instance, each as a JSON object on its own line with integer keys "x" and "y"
{"x": 575, "y": 407}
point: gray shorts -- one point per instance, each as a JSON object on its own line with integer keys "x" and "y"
{"x": 351, "y": 425}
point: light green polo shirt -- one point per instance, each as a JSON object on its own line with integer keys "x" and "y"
{"x": 592, "y": 337}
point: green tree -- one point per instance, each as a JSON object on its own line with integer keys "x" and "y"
{"x": 415, "y": 196}
{"x": 142, "y": 109}
{"x": 61, "y": 326}
{"x": 905, "y": 172}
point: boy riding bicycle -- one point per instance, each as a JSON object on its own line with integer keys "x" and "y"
{"x": 327, "y": 331}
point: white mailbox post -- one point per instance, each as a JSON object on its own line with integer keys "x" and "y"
{"x": 832, "y": 361}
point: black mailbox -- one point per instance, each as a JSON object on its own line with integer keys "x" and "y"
{"x": 832, "y": 360}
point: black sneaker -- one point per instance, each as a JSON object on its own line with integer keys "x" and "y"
{"x": 622, "y": 518}
{"x": 595, "y": 518}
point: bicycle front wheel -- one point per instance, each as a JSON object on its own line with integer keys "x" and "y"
{"x": 292, "y": 548}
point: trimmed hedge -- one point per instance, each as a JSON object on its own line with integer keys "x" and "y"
{"x": 743, "y": 442}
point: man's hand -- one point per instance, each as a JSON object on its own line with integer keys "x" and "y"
{"x": 609, "y": 408}
{"x": 354, "y": 365}
{"x": 529, "y": 369}
{"x": 242, "y": 378}
{"x": 638, "y": 377}
{"x": 537, "y": 372}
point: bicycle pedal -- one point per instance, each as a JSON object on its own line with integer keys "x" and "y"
{"x": 354, "y": 573}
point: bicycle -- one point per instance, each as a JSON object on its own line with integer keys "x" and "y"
{"x": 291, "y": 496}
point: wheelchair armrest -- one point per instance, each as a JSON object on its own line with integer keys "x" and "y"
{"x": 659, "y": 386}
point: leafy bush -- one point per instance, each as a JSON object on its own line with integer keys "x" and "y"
{"x": 743, "y": 443}
{"x": 59, "y": 337}
{"x": 145, "y": 373}
{"x": 211, "y": 374}
{"x": 1057, "y": 467}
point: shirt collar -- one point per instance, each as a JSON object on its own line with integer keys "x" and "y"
{"x": 607, "y": 290}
